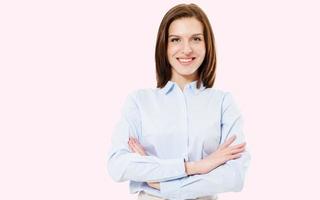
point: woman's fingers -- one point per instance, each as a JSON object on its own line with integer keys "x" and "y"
{"x": 235, "y": 147}
{"x": 238, "y": 146}
{"x": 235, "y": 156}
{"x": 138, "y": 144}
{"x": 238, "y": 150}
{"x": 139, "y": 149}
{"x": 229, "y": 141}
{"x": 136, "y": 147}
{"x": 132, "y": 146}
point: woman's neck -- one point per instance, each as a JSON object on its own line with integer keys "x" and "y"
{"x": 183, "y": 80}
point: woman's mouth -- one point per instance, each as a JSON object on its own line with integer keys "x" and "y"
{"x": 186, "y": 61}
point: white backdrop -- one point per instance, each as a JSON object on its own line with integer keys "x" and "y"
{"x": 66, "y": 67}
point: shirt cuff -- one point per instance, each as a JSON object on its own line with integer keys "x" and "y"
{"x": 175, "y": 168}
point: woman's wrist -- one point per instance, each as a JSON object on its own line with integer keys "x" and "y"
{"x": 191, "y": 168}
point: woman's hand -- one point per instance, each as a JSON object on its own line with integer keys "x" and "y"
{"x": 136, "y": 147}
{"x": 223, "y": 154}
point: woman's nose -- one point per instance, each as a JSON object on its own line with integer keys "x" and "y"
{"x": 187, "y": 48}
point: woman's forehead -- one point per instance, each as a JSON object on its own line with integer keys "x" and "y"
{"x": 185, "y": 26}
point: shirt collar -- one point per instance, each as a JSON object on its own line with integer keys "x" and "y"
{"x": 192, "y": 86}
{"x": 167, "y": 88}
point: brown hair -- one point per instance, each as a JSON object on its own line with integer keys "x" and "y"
{"x": 207, "y": 70}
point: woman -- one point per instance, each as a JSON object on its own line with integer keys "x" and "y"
{"x": 184, "y": 139}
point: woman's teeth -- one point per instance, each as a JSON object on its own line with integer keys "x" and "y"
{"x": 185, "y": 60}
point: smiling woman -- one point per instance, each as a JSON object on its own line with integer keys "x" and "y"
{"x": 186, "y": 48}
{"x": 183, "y": 139}
{"x": 185, "y": 32}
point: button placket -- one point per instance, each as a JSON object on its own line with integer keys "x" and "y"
{"x": 185, "y": 125}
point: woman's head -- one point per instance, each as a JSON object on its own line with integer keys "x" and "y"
{"x": 185, "y": 46}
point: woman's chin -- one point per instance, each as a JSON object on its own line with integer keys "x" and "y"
{"x": 187, "y": 73}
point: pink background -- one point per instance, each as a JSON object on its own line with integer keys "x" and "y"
{"x": 66, "y": 67}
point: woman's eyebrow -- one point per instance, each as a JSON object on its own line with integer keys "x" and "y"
{"x": 196, "y": 34}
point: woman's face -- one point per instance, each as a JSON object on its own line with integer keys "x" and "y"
{"x": 186, "y": 47}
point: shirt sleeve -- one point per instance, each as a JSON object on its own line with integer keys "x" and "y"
{"x": 124, "y": 165}
{"x": 228, "y": 177}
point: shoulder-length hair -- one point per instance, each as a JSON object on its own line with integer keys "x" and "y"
{"x": 207, "y": 70}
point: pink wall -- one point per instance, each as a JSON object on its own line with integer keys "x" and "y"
{"x": 66, "y": 67}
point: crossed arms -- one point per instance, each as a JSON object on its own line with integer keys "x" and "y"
{"x": 221, "y": 171}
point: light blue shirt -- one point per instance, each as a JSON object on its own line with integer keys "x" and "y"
{"x": 172, "y": 126}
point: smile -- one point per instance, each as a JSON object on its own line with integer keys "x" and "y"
{"x": 186, "y": 61}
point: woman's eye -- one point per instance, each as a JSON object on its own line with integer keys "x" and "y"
{"x": 175, "y": 40}
{"x": 197, "y": 39}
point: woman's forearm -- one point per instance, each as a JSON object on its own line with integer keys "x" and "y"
{"x": 223, "y": 154}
